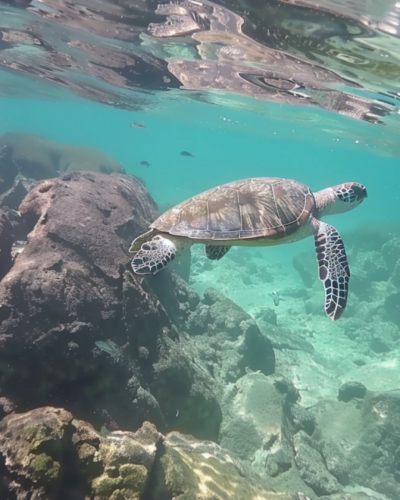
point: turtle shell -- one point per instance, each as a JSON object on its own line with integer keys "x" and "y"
{"x": 264, "y": 207}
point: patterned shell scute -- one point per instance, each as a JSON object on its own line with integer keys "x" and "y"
{"x": 249, "y": 208}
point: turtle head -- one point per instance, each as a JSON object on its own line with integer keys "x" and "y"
{"x": 351, "y": 194}
{"x": 341, "y": 198}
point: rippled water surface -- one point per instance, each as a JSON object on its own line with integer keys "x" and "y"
{"x": 335, "y": 55}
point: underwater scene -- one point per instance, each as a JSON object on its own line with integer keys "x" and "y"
{"x": 199, "y": 250}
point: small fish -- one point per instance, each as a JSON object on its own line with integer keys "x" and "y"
{"x": 145, "y": 163}
{"x": 177, "y": 414}
{"x": 104, "y": 431}
{"x": 108, "y": 346}
{"x": 137, "y": 125}
{"x": 276, "y": 298}
{"x": 186, "y": 153}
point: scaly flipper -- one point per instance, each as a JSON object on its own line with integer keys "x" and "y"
{"x": 153, "y": 256}
{"x": 214, "y": 252}
{"x": 334, "y": 270}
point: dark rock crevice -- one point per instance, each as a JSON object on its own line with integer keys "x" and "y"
{"x": 156, "y": 487}
{"x": 13, "y": 228}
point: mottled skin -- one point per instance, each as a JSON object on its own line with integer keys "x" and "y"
{"x": 262, "y": 211}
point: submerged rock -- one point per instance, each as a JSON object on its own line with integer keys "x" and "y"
{"x": 365, "y": 434}
{"x": 312, "y": 467}
{"x": 9, "y": 221}
{"x": 127, "y": 460}
{"x": 230, "y": 339}
{"x": 352, "y": 496}
{"x": 267, "y": 315}
{"x": 378, "y": 377}
{"x": 334, "y": 459}
{"x": 375, "y": 460}
{"x": 283, "y": 338}
{"x": 193, "y": 470}
{"x": 312, "y": 380}
{"x": 351, "y": 390}
{"x": 40, "y": 158}
{"x": 256, "y": 428}
{"x": 47, "y": 454}
{"x": 301, "y": 419}
{"x": 28, "y": 158}
{"x": 72, "y": 286}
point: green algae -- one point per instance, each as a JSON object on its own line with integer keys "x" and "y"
{"x": 127, "y": 484}
{"x": 44, "y": 467}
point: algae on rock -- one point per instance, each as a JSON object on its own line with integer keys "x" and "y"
{"x": 48, "y": 454}
{"x": 195, "y": 470}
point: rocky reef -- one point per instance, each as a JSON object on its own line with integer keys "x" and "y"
{"x": 28, "y": 158}
{"x": 50, "y": 454}
{"x": 71, "y": 287}
{"x": 119, "y": 387}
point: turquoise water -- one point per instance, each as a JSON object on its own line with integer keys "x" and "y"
{"x": 210, "y": 380}
{"x": 227, "y": 144}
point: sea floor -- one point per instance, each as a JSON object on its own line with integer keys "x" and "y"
{"x": 343, "y": 351}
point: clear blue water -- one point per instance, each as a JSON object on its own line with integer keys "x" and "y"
{"x": 227, "y": 144}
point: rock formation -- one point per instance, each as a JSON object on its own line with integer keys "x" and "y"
{"x": 70, "y": 287}
{"x": 28, "y": 158}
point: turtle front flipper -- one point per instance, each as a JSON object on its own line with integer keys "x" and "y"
{"x": 137, "y": 242}
{"x": 334, "y": 269}
{"x": 214, "y": 252}
{"x": 153, "y": 255}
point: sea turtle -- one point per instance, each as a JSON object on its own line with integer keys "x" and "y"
{"x": 254, "y": 212}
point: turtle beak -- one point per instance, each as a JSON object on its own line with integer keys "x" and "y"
{"x": 360, "y": 191}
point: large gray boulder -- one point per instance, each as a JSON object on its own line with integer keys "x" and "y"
{"x": 71, "y": 287}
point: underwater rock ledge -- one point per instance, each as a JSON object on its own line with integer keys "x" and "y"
{"x": 47, "y": 454}
{"x": 70, "y": 287}
{"x": 28, "y": 158}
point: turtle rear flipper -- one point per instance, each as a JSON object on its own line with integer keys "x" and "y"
{"x": 334, "y": 269}
{"x": 153, "y": 256}
{"x": 214, "y": 252}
